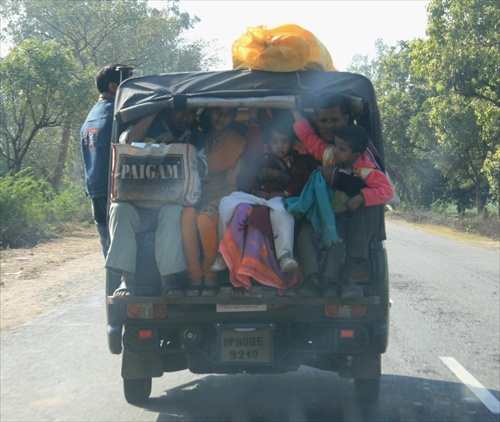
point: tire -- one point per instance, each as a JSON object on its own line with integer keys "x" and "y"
{"x": 137, "y": 390}
{"x": 367, "y": 390}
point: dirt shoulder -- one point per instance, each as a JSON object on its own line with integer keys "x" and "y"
{"x": 36, "y": 280}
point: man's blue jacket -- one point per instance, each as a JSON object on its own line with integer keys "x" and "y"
{"x": 96, "y": 145}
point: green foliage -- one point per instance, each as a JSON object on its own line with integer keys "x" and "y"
{"x": 119, "y": 31}
{"x": 405, "y": 125}
{"x": 461, "y": 148}
{"x": 462, "y": 54}
{"x": 459, "y": 63}
{"x": 440, "y": 206}
{"x": 31, "y": 208}
{"x": 71, "y": 204}
{"x": 440, "y": 106}
{"x": 38, "y": 91}
{"x": 361, "y": 66}
{"x": 47, "y": 78}
{"x": 491, "y": 169}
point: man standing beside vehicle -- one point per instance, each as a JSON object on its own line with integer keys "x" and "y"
{"x": 95, "y": 136}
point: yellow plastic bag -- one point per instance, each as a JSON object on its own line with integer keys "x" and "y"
{"x": 284, "y": 48}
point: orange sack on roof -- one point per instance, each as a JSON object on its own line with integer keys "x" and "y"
{"x": 284, "y": 48}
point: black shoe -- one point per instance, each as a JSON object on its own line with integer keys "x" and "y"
{"x": 304, "y": 290}
{"x": 332, "y": 291}
{"x": 170, "y": 288}
{"x": 361, "y": 274}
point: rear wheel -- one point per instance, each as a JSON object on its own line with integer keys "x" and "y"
{"x": 367, "y": 390}
{"x": 137, "y": 390}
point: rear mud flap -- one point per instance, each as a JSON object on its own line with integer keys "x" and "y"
{"x": 367, "y": 366}
{"x": 115, "y": 339}
{"x": 145, "y": 365}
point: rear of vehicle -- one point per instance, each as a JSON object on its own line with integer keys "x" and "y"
{"x": 261, "y": 332}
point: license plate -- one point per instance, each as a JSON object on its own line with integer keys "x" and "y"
{"x": 245, "y": 345}
{"x": 241, "y": 308}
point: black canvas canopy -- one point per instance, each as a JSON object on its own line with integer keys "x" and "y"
{"x": 138, "y": 97}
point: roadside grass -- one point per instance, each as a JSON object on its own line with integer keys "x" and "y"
{"x": 446, "y": 220}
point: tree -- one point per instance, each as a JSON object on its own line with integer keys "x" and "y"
{"x": 83, "y": 26}
{"x": 492, "y": 171}
{"x": 369, "y": 68}
{"x": 361, "y": 65}
{"x": 462, "y": 148}
{"x": 32, "y": 100}
{"x": 97, "y": 33}
{"x": 462, "y": 52}
{"x": 460, "y": 62}
{"x": 409, "y": 139}
{"x": 100, "y": 32}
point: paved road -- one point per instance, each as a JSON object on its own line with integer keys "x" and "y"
{"x": 444, "y": 336}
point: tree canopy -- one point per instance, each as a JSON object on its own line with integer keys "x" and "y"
{"x": 38, "y": 91}
{"x": 439, "y": 100}
{"x": 119, "y": 31}
{"x": 47, "y": 77}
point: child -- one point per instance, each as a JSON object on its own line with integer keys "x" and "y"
{"x": 348, "y": 155}
{"x": 275, "y": 175}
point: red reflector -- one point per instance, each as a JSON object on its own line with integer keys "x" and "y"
{"x": 145, "y": 334}
{"x": 347, "y": 333}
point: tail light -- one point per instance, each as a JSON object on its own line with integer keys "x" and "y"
{"x": 345, "y": 311}
{"x": 147, "y": 310}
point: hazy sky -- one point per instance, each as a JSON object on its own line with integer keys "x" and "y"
{"x": 345, "y": 28}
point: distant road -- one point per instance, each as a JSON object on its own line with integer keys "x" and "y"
{"x": 444, "y": 334}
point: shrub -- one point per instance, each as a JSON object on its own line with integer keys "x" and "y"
{"x": 71, "y": 205}
{"x": 440, "y": 206}
{"x": 31, "y": 210}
